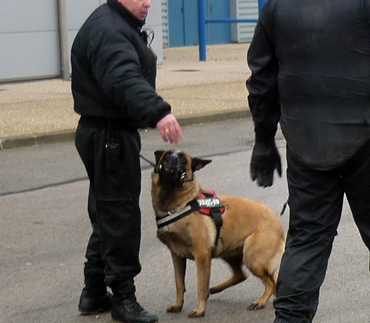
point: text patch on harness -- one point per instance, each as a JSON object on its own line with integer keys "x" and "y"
{"x": 209, "y": 204}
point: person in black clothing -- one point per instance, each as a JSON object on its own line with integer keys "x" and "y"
{"x": 310, "y": 64}
{"x": 113, "y": 86}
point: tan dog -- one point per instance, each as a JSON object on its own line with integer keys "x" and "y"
{"x": 251, "y": 234}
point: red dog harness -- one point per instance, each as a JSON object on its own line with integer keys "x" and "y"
{"x": 208, "y": 204}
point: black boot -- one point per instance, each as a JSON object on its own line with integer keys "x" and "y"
{"x": 125, "y": 307}
{"x": 94, "y": 297}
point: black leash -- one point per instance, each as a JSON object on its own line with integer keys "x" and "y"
{"x": 284, "y": 207}
{"x": 147, "y": 160}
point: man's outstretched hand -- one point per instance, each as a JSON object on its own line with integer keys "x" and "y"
{"x": 170, "y": 129}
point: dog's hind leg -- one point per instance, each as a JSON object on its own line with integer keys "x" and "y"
{"x": 270, "y": 288}
{"x": 260, "y": 260}
{"x": 237, "y": 277}
{"x": 179, "y": 265}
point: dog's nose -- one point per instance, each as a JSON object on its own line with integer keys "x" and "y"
{"x": 170, "y": 168}
{"x": 172, "y": 162}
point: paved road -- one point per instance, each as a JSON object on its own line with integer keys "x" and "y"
{"x": 44, "y": 230}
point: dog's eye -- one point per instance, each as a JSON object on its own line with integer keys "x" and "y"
{"x": 181, "y": 156}
{"x": 183, "y": 160}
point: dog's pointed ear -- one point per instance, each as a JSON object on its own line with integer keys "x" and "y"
{"x": 158, "y": 154}
{"x": 197, "y": 163}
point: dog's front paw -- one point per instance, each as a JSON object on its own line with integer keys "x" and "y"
{"x": 174, "y": 308}
{"x": 255, "y": 306}
{"x": 196, "y": 313}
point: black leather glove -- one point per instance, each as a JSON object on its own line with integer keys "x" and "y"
{"x": 265, "y": 159}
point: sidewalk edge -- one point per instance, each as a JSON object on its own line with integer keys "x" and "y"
{"x": 68, "y": 135}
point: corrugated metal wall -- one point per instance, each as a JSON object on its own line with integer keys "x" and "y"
{"x": 164, "y": 17}
{"x": 243, "y": 9}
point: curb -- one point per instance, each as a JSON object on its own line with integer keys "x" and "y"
{"x": 69, "y": 135}
{"x": 36, "y": 139}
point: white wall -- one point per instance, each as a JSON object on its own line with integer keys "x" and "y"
{"x": 29, "y": 35}
{"x": 29, "y": 39}
{"x": 154, "y": 21}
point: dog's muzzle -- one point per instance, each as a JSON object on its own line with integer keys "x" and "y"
{"x": 172, "y": 168}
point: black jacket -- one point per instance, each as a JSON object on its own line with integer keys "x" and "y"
{"x": 114, "y": 71}
{"x": 310, "y": 63}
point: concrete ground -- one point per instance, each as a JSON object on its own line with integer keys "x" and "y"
{"x": 44, "y": 229}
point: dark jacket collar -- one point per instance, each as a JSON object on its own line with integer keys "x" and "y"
{"x": 127, "y": 15}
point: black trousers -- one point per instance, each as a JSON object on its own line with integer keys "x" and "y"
{"x": 315, "y": 201}
{"x": 111, "y": 159}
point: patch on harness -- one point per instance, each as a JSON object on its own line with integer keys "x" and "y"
{"x": 209, "y": 202}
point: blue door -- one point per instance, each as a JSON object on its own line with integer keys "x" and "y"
{"x": 219, "y": 33}
{"x": 183, "y": 26}
{"x": 183, "y": 22}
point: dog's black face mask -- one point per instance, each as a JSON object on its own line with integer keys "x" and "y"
{"x": 172, "y": 167}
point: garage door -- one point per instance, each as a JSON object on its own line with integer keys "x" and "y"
{"x": 29, "y": 39}
{"x": 29, "y": 36}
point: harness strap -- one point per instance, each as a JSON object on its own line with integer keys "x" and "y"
{"x": 208, "y": 205}
{"x": 216, "y": 216}
{"x": 211, "y": 205}
{"x": 173, "y": 217}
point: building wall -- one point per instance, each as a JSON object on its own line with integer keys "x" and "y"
{"x": 164, "y": 16}
{"x": 154, "y": 21}
{"x": 30, "y": 36}
{"x": 180, "y": 21}
{"x": 243, "y": 9}
{"x": 30, "y": 39}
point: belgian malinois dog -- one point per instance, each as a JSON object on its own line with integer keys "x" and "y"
{"x": 250, "y": 233}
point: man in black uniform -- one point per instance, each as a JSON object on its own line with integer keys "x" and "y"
{"x": 113, "y": 85}
{"x": 310, "y": 64}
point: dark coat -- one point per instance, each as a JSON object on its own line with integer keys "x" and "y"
{"x": 114, "y": 71}
{"x": 310, "y": 63}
